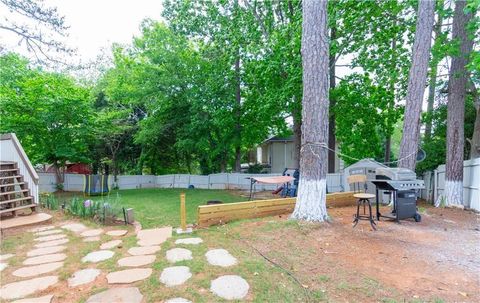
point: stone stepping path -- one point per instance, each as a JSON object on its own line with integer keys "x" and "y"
{"x": 155, "y": 236}
{"x": 136, "y": 261}
{"x": 27, "y": 287}
{"x": 44, "y": 299}
{"x": 117, "y": 295}
{"x": 230, "y": 287}
{"x": 3, "y": 266}
{"x": 50, "y": 238}
{"x": 178, "y": 300}
{"x": 111, "y": 244}
{"x": 220, "y": 257}
{"x": 191, "y": 241}
{"x": 128, "y": 275}
{"x": 175, "y": 275}
{"x": 75, "y": 227}
{"x": 91, "y": 239}
{"x": 83, "y": 276}
{"x": 45, "y": 250}
{"x": 41, "y": 228}
{"x": 36, "y": 270}
{"x": 117, "y": 233}
{"x": 92, "y": 232}
{"x": 45, "y": 259}
{"x": 178, "y": 254}
{"x": 144, "y": 250}
{"x": 48, "y": 232}
{"x": 51, "y": 243}
{"x": 98, "y": 256}
{"x": 5, "y": 257}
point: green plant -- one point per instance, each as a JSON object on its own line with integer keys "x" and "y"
{"x": 83, "y": 209}
{"x": 50, "y": 202}
{"x": 59, "y": 186}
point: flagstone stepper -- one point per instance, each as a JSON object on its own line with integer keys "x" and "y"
{"x": 155, "y": 236}
{"x": 49, "y": 232}
{"x": 91, "y": 239}
{"x": 128, "y": 275}
{"x": 74, "y": 227}
{"x": 111, "y": 244}
{"x": 175, "y": 275}
{"x": 51, "y": 243}
{"x": 45, "y": 250}
{"x": 41, "y": 228}
{"x": 97, "y": 256}
{"x": 45, "y": 259}
{"x": 6, "y": 257}
{"x": 44, "y": 299}
{"x": 92, "y": 232}
{"x": 136, "y": 261}
{"x": 26, "y": 287}
{"x": 178, "y": 254}
{"x": 143, "y": 250}
{"x": 83, "y": 276}
{"x": 50, "y": 238}
{"x": 117, "y": 295}
{"x": 36, "y": 270}
{"x": 117, "y": 233}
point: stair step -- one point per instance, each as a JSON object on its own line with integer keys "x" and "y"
{"x": 7, "y": 210}
{"x": 6, "y": 170}
{"x": 13, "y": 192}
{"x": 12, "y": 184}
{"x": 16, "y": 200}
{"x": 11, "y": 177}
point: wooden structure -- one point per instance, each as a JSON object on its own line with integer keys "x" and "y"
{"x": 222, "y": 213}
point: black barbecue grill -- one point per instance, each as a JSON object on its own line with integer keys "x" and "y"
{"x": 403, "y": 185}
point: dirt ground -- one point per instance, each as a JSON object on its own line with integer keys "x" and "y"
{"x": 437, "y": 259}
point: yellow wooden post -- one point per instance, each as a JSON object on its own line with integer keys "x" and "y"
{"x": 183, "y": 215}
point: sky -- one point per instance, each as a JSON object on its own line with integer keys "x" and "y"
{"x": 94, "y": 24}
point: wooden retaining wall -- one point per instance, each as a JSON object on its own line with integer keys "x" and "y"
{"x": 222, "y": 213}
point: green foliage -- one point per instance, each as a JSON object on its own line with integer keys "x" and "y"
{"x": 49, "y": 201}
{"x": 79, "y": 207}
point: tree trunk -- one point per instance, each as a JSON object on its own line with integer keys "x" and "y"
{"x": 238, "y": 113}
{"x": 433, "y": 79}
{"x": 311, "y": 200}
{"x": 475, "y": 142}
{"x": 416, "y": 84}
{"x": 331, "y": 121}
{"x": 297, "y": 135}
{"x": 457, "y": 90}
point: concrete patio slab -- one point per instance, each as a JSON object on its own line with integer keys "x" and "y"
{"x": 83, "y": 276}
{"x": 175, "y": 275}
{"x": 37, "y": 270}
{"x": 220, "y": 257}
{"x": 46, "y": 250}
{"x": 178, "y": 254}
{"x": 111, "y": 244}
{"x": 45, "y": 259}
{"x": 98, "y": 256}
{"x": 128, "y": 275}
{"x": 155, "y": 236}
{"x": 143, "y": 250}
{"x": 230, "y": 287}
{"x": 117, "y": 295}
{"x": 51, "y": 243}
{"x": 136, "y": 261}
{"x": 27, "y": 287}
{"x": 25, "y": 220}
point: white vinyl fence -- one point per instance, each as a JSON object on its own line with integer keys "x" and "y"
{"x": 74, "y": 182}
{"x": 435, "y": 184}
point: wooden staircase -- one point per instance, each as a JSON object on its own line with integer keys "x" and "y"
{"x": 15, "y": 195}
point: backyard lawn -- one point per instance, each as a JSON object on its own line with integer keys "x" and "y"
{"x": 161, "y": 206}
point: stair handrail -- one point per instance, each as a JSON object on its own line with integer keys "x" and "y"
{"x": 23, "y": 155}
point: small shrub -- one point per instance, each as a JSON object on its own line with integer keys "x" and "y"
{"x": 105, "y": 211}
{"x": 59, "y": 186}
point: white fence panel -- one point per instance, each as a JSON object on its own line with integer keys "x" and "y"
{"x": 182, "y": 181}
{"x": 335, "y": 182}
{"x": 218, "y": 181}
{"x": 199, "y": 181}
{"x": 165, "y": 181}
{"x": 74, "y": 182}
{"x": 47, "y": 183}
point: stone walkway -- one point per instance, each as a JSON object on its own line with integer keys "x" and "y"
{"x": 51, "y": 250}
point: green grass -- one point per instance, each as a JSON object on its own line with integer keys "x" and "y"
{"x": 160, "y": 207}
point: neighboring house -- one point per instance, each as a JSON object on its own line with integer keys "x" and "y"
{"x": 72, "y": 168}
{"x": 277, "y": 153}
